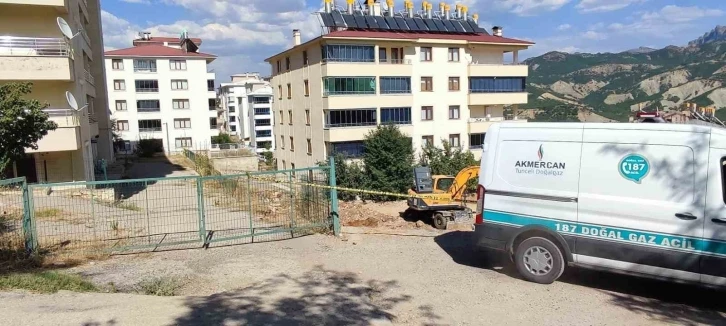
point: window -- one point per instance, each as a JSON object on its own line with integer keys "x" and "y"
{"x": 307, "y": 117}
{"x": 310, "y": 147}
{"x": 212, "y": 103}
{"x": 117, "y": 64}
{"x": 184, "y": 123}
{"x": 454, "y": 83}
{"x": 282, "y": 142}
{"x": 427, "y": 84}
{"x": 454, "y": 54}
{"x": 260, "y": 100}
{"x": 382, "y": 55}
{"x": 476, "y": 140}
{"x": 349, "y": 85}
{"x": 455, "y": 140}
{"x": 307, "y": 87}
{"x": 289, "y": 117}
{"x": 397, "y": 55}
{"x": 454, "y": 112}
{"x": 262, "y": 111}
{"x": 119, "y": 85}
{"x": 496, "y": 84}
{"x": 122, "y": 125}
{"x": 426, "y": 54}
{"x": 150, "y": 125}
{"x": 263, "y": 133}
{"x": 183, "y": 142}
{"x": 179, "y": 84}
{"x": 292, "y": 167}
{"x": 350, "y": 118}
{"x": 232, "y": 109}
{"x": 348, "y": 53}
{"x": 148, "y": 106}
{"x": 180, "y": 104}
{"x": 395, "y": 85}
{"x": 284, "y": 165}
{"x": 289, "y": 91}
{"x": 144, "y": 65}
{"x": 287, "y": 63}
{"x": 427, "y": 113}
{"x": 396, "y": 116}
{"x": 279, "y": 91}
{"x": 427, "y": 140}
{"x": 232, "y": 118}
{"x": 351, "y": 149}
{"x": 121, "y": 105}
{"x": 177, "y": 65}
{"x": 212, "y": 123}
{"x": 264, "y": 144}
{"x": 279, "y": 66}
{"x": 147, "y": 86}
{"x": 306, "y": 61}
{"x": 262, "y": 122}
{"x": 292, "y": 144}
{"x": 282, "y": 118}
{"x": 233, "y": 128}
{"x": 210, "y": 85}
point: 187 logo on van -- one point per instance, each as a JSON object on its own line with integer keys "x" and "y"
{"x": 634, "y": 167}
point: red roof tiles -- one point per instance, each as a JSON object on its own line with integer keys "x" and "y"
{"x": 155, "y": 50}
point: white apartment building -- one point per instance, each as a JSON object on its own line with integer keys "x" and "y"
{"x": 433, "y": 83}
{"x": 33, "y": 49}
{"x": 245, "y": 110}
{"x": 161, "y": 89}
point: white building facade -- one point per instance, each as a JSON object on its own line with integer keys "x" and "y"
{"x": 162, "y": 89}
{"x": 245, "y": 110}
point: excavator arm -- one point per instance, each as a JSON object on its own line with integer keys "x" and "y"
{"x": 457, "y": 188}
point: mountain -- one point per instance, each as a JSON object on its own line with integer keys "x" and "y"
{"x": 612, "y": 85}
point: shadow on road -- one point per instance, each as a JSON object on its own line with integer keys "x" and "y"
{"x": 664, "y": 301}
{"x": 318, "y": 297}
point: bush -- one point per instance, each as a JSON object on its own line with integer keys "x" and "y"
{"x": 448, "y": 160}
{"x": 222, "y": 139}
{"x": 149, "y": 147}
{"x": 388, "y": 161}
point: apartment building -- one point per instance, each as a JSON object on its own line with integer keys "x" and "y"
{"x": 437, "y": 75}
{"x": 33, "y": 48}
{"x": 245, "y": 110}
{"x": 162, "y": 89}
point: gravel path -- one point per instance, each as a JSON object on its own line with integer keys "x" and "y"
{"x": 422, "y": 277}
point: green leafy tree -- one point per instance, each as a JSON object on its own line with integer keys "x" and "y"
{"x": 222, "y": 139}
{"x": 22, "y": 122}
{"x": 388, "y": 160}
{"x": 448, "y": 160}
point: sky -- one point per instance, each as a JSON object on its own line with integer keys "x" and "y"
{"x": 242, "y": 33}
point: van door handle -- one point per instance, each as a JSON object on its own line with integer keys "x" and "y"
{"x": 718, "y": 220}
{"x": 686, "y": 216}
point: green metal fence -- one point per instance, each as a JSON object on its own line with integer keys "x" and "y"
{"x": 173, "y": 212}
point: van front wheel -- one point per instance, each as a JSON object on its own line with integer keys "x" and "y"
{"x": 539, "y": 260}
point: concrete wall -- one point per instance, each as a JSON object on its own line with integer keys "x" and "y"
{"x": 232, "y": 165}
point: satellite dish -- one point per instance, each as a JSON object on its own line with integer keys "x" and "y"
{"x": 65, "y": 28}
{"x": 72, "y": 101}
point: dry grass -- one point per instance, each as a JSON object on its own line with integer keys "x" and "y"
{"x": 45, "y": 282}
{"x": 160, "y": 286}
{"x": 48, "y": 213}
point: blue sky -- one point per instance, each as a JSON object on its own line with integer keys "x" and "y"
{"x": 244, "y": 32}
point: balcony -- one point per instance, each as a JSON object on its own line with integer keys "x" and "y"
{"x": 67, "y": 137}
{"x": 498, "y": 70}
{"x": 480, "y": 97}
{"x": 148, "y": 110}
{"x": 51, "y": 3}
{"x": 32, "y": 58}
{"x": 88, "y": 76}
{"x": 481, "y": 125}
{"x": 404, "y": 68}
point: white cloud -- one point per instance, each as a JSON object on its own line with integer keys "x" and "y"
{"x": 677, "y": 15}
{"x": 665, "y": 22}
{"x": 564, "y": 27}
{"x": 145, "y": 2}
{"x": 522, "y": 7}
{"x": 590, "y": 6}
{"x": 593, "y": 35}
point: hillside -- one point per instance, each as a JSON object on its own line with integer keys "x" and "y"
{"x": 613, "y": 84}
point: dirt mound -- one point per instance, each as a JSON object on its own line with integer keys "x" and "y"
{"x": 371, "y": 214}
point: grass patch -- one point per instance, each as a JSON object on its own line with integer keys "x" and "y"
{"x": 45, "y": 282}
{"x": 128, "y": 206}
{"x": 160, "y": 286}
{"x": 48, "y": 212}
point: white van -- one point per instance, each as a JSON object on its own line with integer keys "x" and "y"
{"x": 639, "y": 198}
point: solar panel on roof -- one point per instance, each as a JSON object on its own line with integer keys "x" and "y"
{"x": 466, "y": 26}
{"x": 412, "y": 25}
{"x": 360, "y": 21}
{"x": 338, "y": 19}
{"x": 439, "y": 25}
{"x": 457, "y": 26}
{"x": 371, "y": 22}
{"x": 350, "y": 21}
{"x": 392, "y": 23}
{"x": 449, "y": 25}
{"x": 381, "y": 21}
{"x": 421, "y": 24}
{"x": 431, "y": 25}
{"x": 327, "y": 19}
{"x": 477, "y": 28}
{"x": 402, "y": 26}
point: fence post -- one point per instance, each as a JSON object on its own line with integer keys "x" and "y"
{"x": 292, "y": 204}
{"x": 200, "y": 203}
{"x": 250, "y": 212}
{"x": 31, "y": 243}
{"x": 333, "y": 197}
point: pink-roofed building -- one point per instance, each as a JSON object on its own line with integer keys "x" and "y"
{"x": 162, "y": 89}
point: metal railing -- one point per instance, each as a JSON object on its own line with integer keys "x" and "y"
{"x": 349, "y": 60}
{"x": 147, "y": 90}
{"x": 33, "y": 46}
{"x": 89, "y": 78}
{"x": 136, "y": 69}
{"x": 366, "y": 92}
{"x": 152, "y": 129}
{"x": 351, "y": 124}
{"x": 147, "y": 110}
{"x": 65, "y": 117}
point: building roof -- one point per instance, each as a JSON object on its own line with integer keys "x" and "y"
{"x": 161, "y": 40}
{"x": 473, "y": 38}
{"x": 155, "y": 50}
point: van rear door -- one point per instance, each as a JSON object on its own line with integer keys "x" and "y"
{"x": 641, "y": 204}
{"x": 713, "y": 260}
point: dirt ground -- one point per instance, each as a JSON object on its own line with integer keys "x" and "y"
{"x": 389, "y": 216}
{"x": 420, "y": 277}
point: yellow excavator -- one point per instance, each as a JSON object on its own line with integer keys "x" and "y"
{"x": 441, "y": 196}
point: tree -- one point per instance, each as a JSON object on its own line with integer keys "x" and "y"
{"x": 448, "y": 160}
{"x": 388, "y": 160}
{"x": 22, "y": 122}
{"x": 222, "y": 139}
